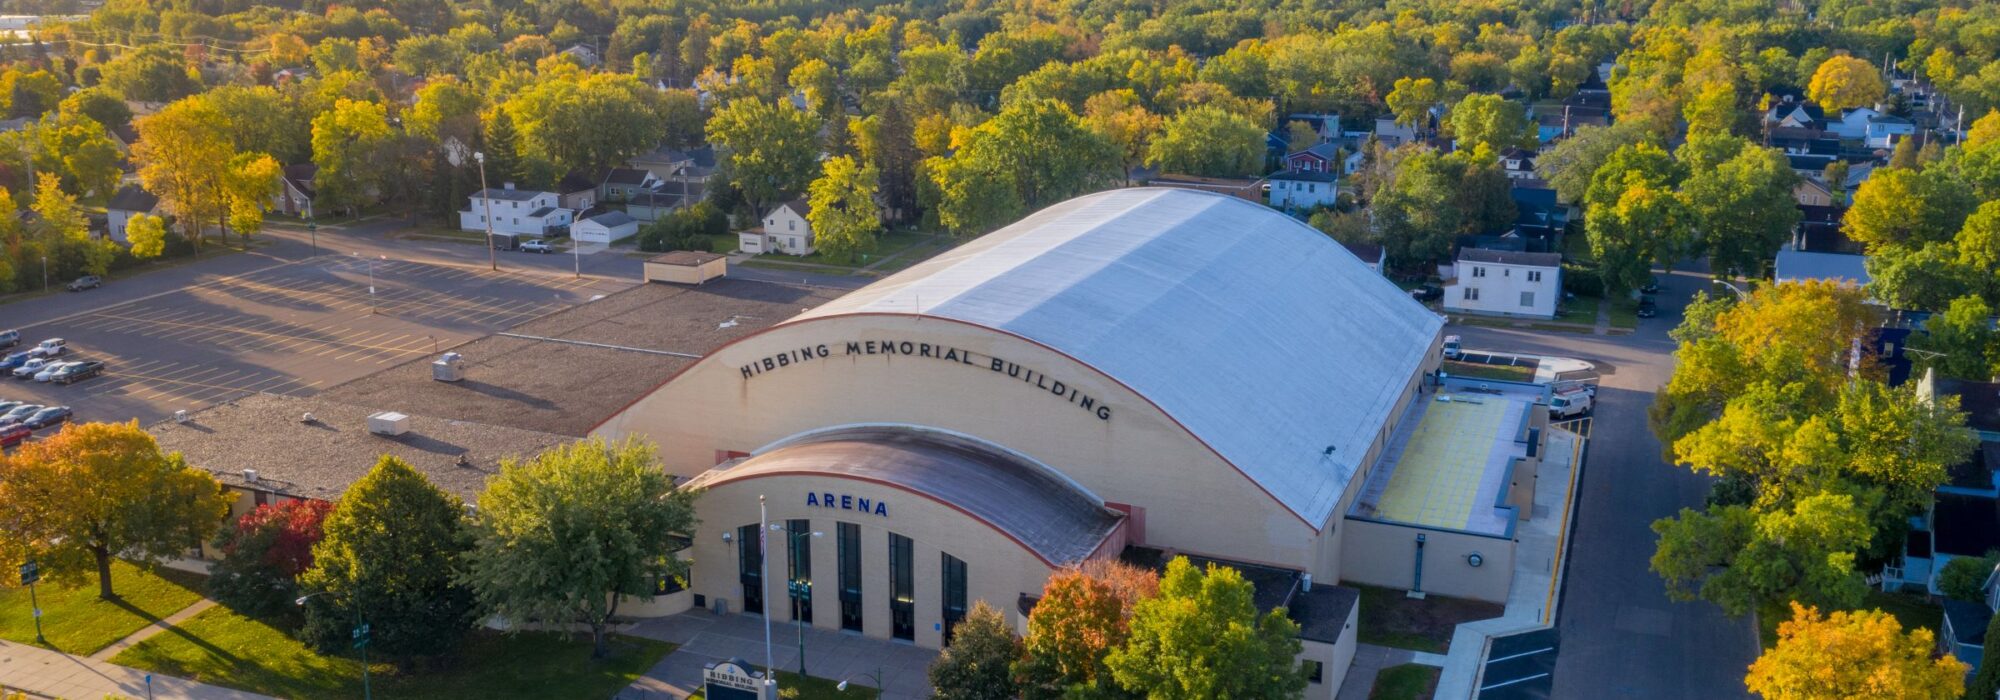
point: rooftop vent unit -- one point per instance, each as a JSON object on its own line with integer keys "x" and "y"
{"x": 180, "y": 416}
{"x": 250, "y": 476}
{"x": 388, "y": 423}
{"x": 308, "y": 418}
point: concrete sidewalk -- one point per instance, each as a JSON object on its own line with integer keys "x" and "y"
{"x": 705, "y": 637}
{"x": 1537, "y": 570}
{"x": 53, "y": 674}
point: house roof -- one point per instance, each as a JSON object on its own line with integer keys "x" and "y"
{"x": 1023, "y": 499}
{"x": 1320, "y": 150}
{"x": 1194, "y": 300}
{"x": 132, "y": 198}
{"x": 575, "y": 181}
{"x": 301, "y": 175}
{"x": 1979, "y": 400}
{"x": 1799, "y": 265}
{"x": 627, "y": 176}
{"x": 1887, "y": 119}
{"x": 1509, "y": 257}
{"x": 802, "y": 207}
{"x": 1967, "y": 526}
{"x": 1306, "y": 177}
{"x": 685, "y": 258}
{"x": 507, "y": 195}
{"x": 1365, "y": 252}
{"x": 320, "y": 459}
{"x": 1517, "y": 152}
{"x": 1968, "y": 621}
{"x": 544, "y": 211}
{"x": 611, "y": 218}
{"x": 1809, "y": 161}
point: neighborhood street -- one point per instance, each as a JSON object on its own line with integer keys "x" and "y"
{"x": 1621, "y": 636}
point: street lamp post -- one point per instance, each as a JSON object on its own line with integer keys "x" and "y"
{"x": 312, "y": 228}
{"x": 361, "y": 635}
{"x": 45, "y": 273}
{"x": 877, "y": 676}
{"x": 371, "y": 281}
{"x": 764, "y": 583}
{"x": 492, "y": 258}
{"x": 798, "y": 589}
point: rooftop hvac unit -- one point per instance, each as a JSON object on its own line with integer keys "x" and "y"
{"x": 250, "y": 475}
{"x": 180, "y": 416}
{"x": 388, "y": 423}
{"x": 448, "y": 368}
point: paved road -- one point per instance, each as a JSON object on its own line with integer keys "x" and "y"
{"x": 1621, "y": 636}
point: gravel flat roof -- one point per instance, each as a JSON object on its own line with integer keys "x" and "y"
{"x": 566, "y": 372}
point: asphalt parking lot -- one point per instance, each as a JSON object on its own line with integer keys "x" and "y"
{"x": 294, "y": 329}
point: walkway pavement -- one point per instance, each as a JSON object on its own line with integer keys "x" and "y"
{"x": 1370, "y": 660}
{"x": 705, "y": 637}
{"x": 54, "y": 674}
{"x": 1537, "y": 570}
{"x": 148, "y": 631}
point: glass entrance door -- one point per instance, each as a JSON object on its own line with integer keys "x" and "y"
{"x": 750, "y": 567}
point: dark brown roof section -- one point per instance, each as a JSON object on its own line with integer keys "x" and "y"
{"x": 1023, "y": 500}
{"x": 1509, "y": 257}
{"x": 685, "y": 258}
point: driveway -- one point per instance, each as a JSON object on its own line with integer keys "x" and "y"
{"x": 1621, "y": 636}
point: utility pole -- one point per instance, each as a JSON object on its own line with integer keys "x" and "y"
{"x": 492, "y": 258}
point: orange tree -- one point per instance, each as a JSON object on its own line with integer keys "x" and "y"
{"x": 1084, "y": 613}
{"x": 1862, "y": 654}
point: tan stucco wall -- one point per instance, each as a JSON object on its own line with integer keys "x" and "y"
{"x": 998, "y": 570}
{"x": 1383, "y": 554}
{"x": 1193, "y": 500}
{"x": 1334, "y": 659}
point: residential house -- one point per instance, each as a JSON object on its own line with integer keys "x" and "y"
{"x": 1795, "y": 141}
{"x": 1538, "y": 213}
{"x": 1369, "y": 253}
{"x": 1320, "y": 158}
{"x": 1518, "y": 163}
{"x": 1812, "y": 193}
{"x": 1504, "y": 283}
{"x": 1810, "y": 166}
{"x": 652, "y": 206}
{"x": 295, "y": 190}
{"x": 1326, "y": 125}
{"x": 1853, "y": 123}
{"x": 585, "y": 55}
{"x": 127, "y": 202}
{"x": 1796, "y": 263}
{"x": 1964, "y": 518}
{"x": 1303, "y": 191}
{"x": 604, "y": 229}
{"x": 1964, "y": 633}
{"x": 577, "y": 191}
{"x": 532, "y": 213}
{"x": 1885, "y": 130}
{"x": 785, "y": 230}
{"x": 620, "y": 184}
{"x": 1795, "y": 114}
{"x": 1243, "y": 188}
{"x": 1392, "y": 134}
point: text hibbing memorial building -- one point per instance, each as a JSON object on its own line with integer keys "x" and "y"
{"x": 1156, "y": 368}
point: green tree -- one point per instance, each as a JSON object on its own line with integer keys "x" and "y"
{"x": 80, "y": 152}
{"x": 98, "y": 490}
{"x": 1572, "y": 162}
{"x": 1923, "y": 278}
{"x": 599, "y": 121}
{"x": 1845, "y": 82}
{"x": 1033, "y": 153}
{"x": 1739, "y": 559}
{"x": 393, "y": 551}
{"x": 1961, "y": 342}
{"x": 977, "y": 664}
{"x": 1986, "y": 681}
{"x": 1118, "y": 117}
{"x": 501, "y": 148}
{"x": 1412, "y": 99}
{"x": 1644, "y": 226}
{"x": 567, "y": 535}
{"x": 1209, "y": 141}
{"x": 1491, "y": 120}
{"x": 1743, "y": 208}
{"x": 768, "y": 149}
{"x": 29, "y": 93}
{"x": 1202, "y": 638}
{"x": 1414, "y": 213}
{"x": 151, "y": 74}
{"x": 347, "y": 143}
{"x": 842, "y": 209}
{"x": 147, "y": 235}
{"x": 98, "y": 103}
{"x": 1963, "y": 578}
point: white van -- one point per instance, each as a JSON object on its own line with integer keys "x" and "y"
{"x": 1571, "y": 403}
{"x": 1451, "y": 345}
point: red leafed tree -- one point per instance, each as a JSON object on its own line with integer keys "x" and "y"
{"x": 263, "y": 555}
{"x": 1083, "y": 614}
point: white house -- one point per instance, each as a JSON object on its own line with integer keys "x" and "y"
{"x": 515, "y": 212}
{"x": 1518, "y": 163}
{"x": 605, "y": 228}
{"x": 1852, "y": 124}
{"x": 1885, "y": 130}
{"x": 1505, "y": 282}
{"x": 785, "y": 230}
{"x": 127, "y": 202}
{"x": 1392, "y": 134}
{"x": 1303, "y": 190}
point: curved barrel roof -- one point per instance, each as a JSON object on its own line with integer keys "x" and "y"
{"x": 1261, "y": 336}
{"x": 1020, "y": 498}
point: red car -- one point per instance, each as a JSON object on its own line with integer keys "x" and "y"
{"x": 14, "y": 434}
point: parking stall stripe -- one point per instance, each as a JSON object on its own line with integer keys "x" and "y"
{"x": 377, "y": 343}
{"x": 257, "y": 333}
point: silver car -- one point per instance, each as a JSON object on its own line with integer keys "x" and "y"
{"x": 49, "y": 370}
{"x": 27, "y": 370}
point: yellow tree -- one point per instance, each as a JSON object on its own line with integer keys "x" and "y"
{"x": 251, "y": 182}
{"x": 99, "y": 490}
{"x": 1118, "y": 116}
{"x": 1844, "y": 82}
{"x": 182, "y": 158}
{"x": 1862, "y": 654}
{"x": 842, "y": 209}
{"x": 147, "y": 235}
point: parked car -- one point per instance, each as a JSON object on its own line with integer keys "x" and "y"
{"x": 1451, "y": 347}
{"x": 1647, "y": 308}
{"x": 19, "y": 413}
{"x": 1652, "y": 286}
{"x": 77, "y": 372}
{"x": 16, "y": 359}
{"x": 6, "y": 406}
{"x": 28, "y": 369}
{"x": 15, "y": 434}
{"x": 47, "y": 417}
{"x": 1428, "y": 292}
{"x": 50, "y": 348}
{"x": 543, "y": 247}
{"x": 9, "y": 338}
{"x": 86, "y": 282}
{"x": 49, "y": 370}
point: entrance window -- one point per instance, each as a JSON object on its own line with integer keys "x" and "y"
{"x": 954, "y": 594}
{"x": 750, "y": 567}
{"x": 798, "y": 570}
{"x": 902, "y": 588}
{"x": 849, "y": 546}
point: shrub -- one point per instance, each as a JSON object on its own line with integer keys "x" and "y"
{"x": 263, "y": 555}
{"x": 1582, "y": 281}
{"x": 1962, "y": 576}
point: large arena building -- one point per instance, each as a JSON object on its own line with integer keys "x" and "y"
{"x": 1141, "y": 369}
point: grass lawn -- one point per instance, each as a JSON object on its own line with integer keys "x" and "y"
{"x": 887, "y": 244}
{"x": 1405, "y": 682}
{"x": 1579, "y": 310}
{"x": 1624, "y": 314}
{"x": 76, "y": 622}
{"x": 1391, "y": 619}
{"x": 224, "y": 648}
{"x": 1911, "y": 609}
{"x": 793, "y": 686}
{"x": 1476, "y": 370}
